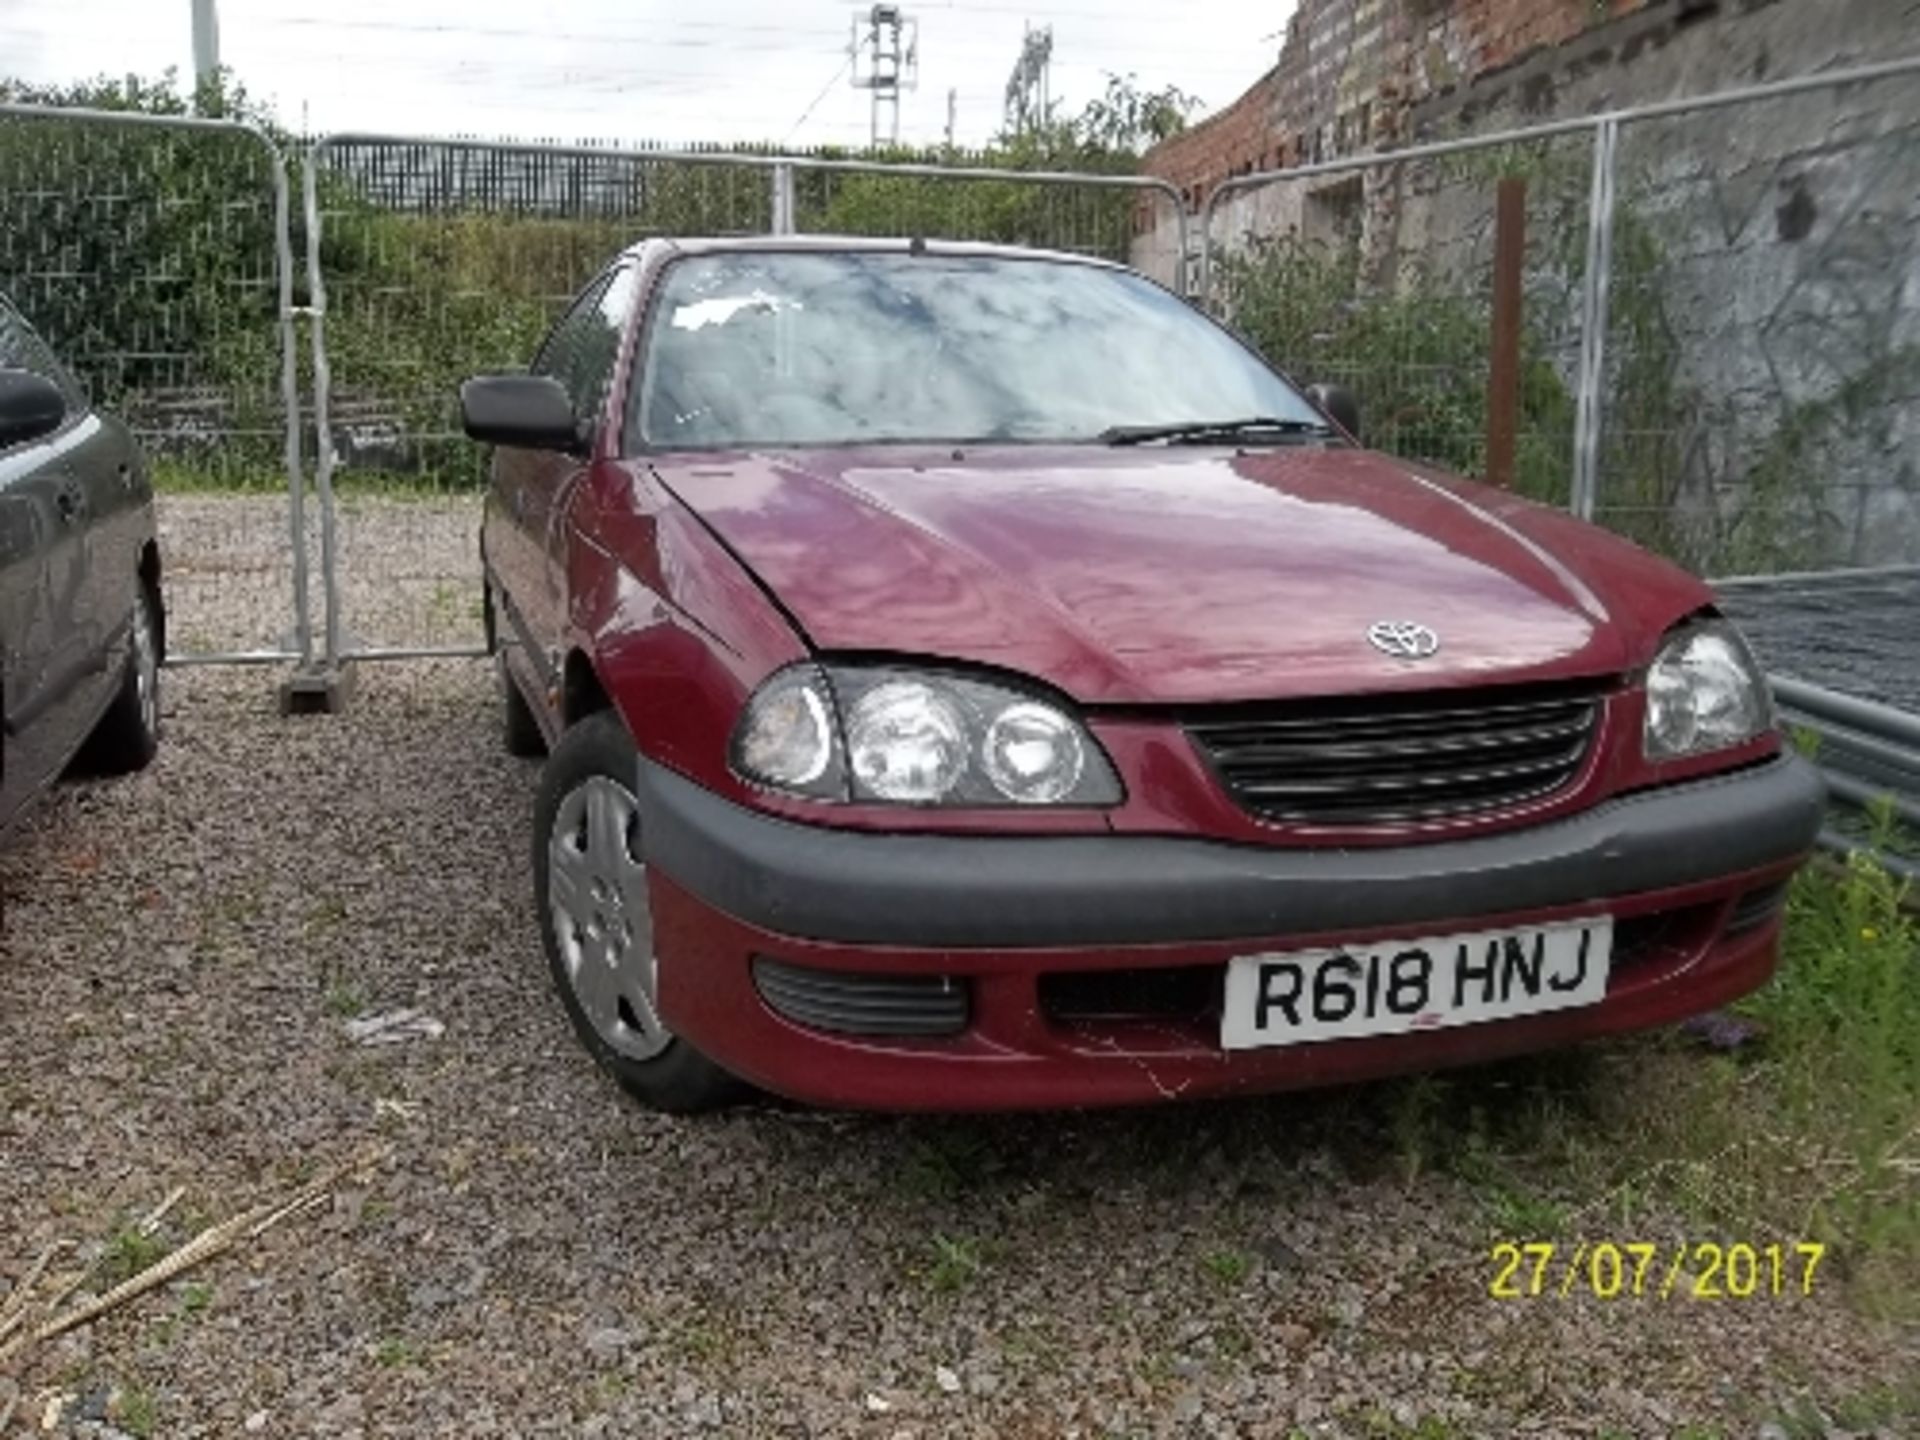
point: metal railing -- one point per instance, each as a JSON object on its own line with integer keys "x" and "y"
{"x": 1870, "y": 755}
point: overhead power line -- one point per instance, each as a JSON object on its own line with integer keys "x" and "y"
{"x": 1082, "y": 46}
{"x": 814, "y": 104}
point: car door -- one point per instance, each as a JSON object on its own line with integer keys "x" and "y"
{"x": 526, "y": 538}
{"x": 50, "y": 635}
{"x": 594, "y": 350}
{"x": 103, "y": 495}
{"x": 28, "y": 536}
{"x": 519, "y": 508}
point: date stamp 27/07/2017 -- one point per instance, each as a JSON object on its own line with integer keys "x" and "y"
{"x": 1648, "y": 1270}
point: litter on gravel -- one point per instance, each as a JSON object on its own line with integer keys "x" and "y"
{"x": 394, "y": 1027}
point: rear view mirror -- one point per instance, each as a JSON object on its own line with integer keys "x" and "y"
{"x": 527, "y": 412}
{"x": 31, "y": 406}
{"x": 1338, "y": 404}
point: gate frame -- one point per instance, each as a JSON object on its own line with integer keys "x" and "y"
{"x": 1588, "y": 419}
{"x": 779, "y": 169}
{"x": 289, "y": 369}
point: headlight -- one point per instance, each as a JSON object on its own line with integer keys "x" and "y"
{"x": 1033, "y": 753}
{"x": 917, "y": 738}
{"x": 907, "y": 741}
{"x": 786, "y": 737}
{"x": 1704, "y": 693}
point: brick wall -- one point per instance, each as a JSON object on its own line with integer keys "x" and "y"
{"x": 1240, "y": 138}
{"x": 1351, "y": 69}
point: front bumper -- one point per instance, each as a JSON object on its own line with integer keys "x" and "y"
{"x": 1000, "y": 914}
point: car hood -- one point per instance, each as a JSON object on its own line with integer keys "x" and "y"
{"x": 1172, "y": 575}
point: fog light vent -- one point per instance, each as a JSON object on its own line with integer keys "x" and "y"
{"x": 852, "y": 1003}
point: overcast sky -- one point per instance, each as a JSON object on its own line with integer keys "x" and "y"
{"x": 640, "y": 69}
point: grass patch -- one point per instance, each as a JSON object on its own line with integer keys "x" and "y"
{"x": 956, "y": 1262}
{"x": 395, "y": 1352}
{"x": 181, "y": 477}
{"x": 129, "y": 1251}
{"x": 1809, "y": 1133}
{"x": 1227, "y": 1268}
{"x": 135, "y": 1412}
{"x": 948, "y": 1164}
{"x": 1378, "y": 1425}
{"x": 1840, "y": 1077}
{"x": 345, "y": 1000}
{"x": 1880, "y": 1410}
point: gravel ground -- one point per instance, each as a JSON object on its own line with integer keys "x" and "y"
{"x": 411, "y": 565}
{"x": 532, "y": 1255}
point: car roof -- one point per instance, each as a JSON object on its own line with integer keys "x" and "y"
{"x": 864, "y": 245}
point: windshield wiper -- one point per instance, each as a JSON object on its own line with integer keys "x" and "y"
{"x": 1202, "y": 431}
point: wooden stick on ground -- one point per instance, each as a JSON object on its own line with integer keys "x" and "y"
{"x": 14, "y": 1310}
{"x": 215, "y": 1239}
{"x": 159, "y": 1212}
{"x": 248, "y": 1225}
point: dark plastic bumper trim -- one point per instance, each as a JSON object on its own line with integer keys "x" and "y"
{"x": 973, "y": 891}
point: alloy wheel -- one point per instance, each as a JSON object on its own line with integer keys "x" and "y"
{"x": 602, "y": 921}
{"x": 146, "y": 666}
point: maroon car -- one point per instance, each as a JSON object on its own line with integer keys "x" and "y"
{"x": 973, "y": 679}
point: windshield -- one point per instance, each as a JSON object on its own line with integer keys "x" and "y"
{"x": 784, "y": 348}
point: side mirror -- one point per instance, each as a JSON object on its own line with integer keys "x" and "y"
{"x": 1336, "y": 402}
{"x": 527, "y": 412}
{"x": 31, "y": 406}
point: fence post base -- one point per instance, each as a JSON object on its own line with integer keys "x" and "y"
{"x": 317, "y": 690}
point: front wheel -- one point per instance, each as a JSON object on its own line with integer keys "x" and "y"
{"x": 590, "y": 888}
{"x": 128, "y": 735}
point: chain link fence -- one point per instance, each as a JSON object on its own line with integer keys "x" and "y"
{"x": 152, "y": 253}
{"x": 431, "y": 261}
{"x": 1103, "y": 216}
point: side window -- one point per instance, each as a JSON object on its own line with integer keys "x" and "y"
{"x": 557, "y": 353}
{"x": 21, "y": 348}
{"x": 584, "y": 346}
{"x": 610, "y": 319}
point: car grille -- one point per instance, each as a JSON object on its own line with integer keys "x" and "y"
{"x": 1400, "y": 758}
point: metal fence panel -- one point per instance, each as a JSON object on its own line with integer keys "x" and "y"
{"x": 1747, "y": 399}
{"x": 1763, "y": 332}
{"x": 432, "y": 260}
{"x": 1110, "y": 217}
{"x": 152, "y": 252}
{"x": 1380, "y": 275}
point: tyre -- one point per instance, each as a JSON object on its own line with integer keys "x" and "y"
{"x": 590, "y": 890}
{"x": 520, "y": 730}
{"x": 128, "y": 735}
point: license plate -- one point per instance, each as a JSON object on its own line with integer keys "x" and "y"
{"x": 1395, "y": 987}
